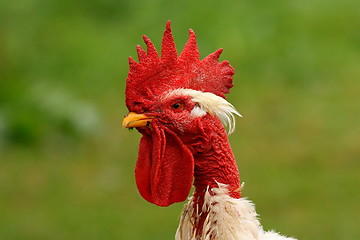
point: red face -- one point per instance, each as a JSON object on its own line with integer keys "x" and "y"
{"x": 174, "y": 113}
{"x": 165, "y": 165}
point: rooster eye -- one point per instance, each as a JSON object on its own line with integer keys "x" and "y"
{"x": 178, "y": 106}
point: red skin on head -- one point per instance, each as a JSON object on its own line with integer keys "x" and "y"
{"x": 173, "y": 153}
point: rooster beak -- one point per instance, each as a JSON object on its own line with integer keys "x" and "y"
{"x": 132, "y": 120}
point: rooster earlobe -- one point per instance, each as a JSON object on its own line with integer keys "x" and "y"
{"x": 168, "y": 51}
{"x": 191, "y": 52}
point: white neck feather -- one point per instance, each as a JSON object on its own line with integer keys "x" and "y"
{"x": 228, "y": 219}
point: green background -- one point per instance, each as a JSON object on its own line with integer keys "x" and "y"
{"x": 66, "y": 165}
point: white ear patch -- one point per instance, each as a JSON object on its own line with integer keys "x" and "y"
{"x": 198, "y": 112}
{"x": 210, "y": 103}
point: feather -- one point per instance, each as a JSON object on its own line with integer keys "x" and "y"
{"x": 228, "y": 219}
{"x": 210, "y": 103}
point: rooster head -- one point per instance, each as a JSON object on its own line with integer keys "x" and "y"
{"x": 171, "y": 99}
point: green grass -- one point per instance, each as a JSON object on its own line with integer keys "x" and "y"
{"x": 66, "y": 165}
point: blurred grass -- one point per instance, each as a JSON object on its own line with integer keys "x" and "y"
{"x": 66, "y": 166}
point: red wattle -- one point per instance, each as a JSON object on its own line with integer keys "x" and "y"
{"x": 164, "y": 168}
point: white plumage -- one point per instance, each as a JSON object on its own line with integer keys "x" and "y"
{"x": 228, "y": 219}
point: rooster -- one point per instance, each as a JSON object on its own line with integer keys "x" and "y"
{"x": 177, "y": 102}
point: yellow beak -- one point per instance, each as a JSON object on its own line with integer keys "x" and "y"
{"x": 132, "y": 120}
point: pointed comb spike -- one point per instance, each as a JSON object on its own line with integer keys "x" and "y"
{"x": 168, "y": 51}
{"x": 191, "y": 51}
{"x": 133, "y": 64}
{"x": 141, "y": 53}
{"x": 151, "y": 50}
{"x": 214, "y": 56}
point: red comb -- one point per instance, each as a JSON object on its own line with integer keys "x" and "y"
{"x": 152, "y": 75}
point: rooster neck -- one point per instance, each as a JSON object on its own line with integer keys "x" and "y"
{"x": 216, "y": 164}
